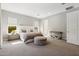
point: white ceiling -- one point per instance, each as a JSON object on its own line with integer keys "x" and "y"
{"x": 38, "y": 10}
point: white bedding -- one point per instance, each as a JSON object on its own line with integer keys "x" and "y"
{"x": 23, "y": 36}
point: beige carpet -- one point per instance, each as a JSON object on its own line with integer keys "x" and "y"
{"x": 53, "y": 48}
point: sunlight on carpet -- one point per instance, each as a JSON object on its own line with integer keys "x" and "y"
{"x": 14, "y": 43}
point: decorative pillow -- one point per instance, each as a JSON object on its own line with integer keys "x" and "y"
{"x": 23, "y": 30}
{"x": 31, "y": 30}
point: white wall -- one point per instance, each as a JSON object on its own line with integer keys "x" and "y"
{"x": 21, "y": 20}
{"x": 44, "y": 27}
{"x": 73, "y": 27}
{"x": 56, "y": 23}
{"x": 0, "y": 25}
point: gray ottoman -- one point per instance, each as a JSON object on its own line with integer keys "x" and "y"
{"x": 40, "y": 40}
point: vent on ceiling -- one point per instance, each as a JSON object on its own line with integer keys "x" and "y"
{"x": 69, "y": 8}
{"x": 63, "y": 3}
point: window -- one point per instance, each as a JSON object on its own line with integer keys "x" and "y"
{"x": 12, "y": 24}
{"x": 11, "y": 29}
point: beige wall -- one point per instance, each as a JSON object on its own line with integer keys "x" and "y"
{"x": 0, "y": 25}
{"x": 55, "y": 23}
{"x": 21, "y": 20}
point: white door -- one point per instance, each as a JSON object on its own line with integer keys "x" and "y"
{"x": 78, "y": 29}
{"x": 72, "y": 27}
{"x": 0, "y": 26}
{"x": 45, "y": 28}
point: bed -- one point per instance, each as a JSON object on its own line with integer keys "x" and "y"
{"x": 26, "y": 36}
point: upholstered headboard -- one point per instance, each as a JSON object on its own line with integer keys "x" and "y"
{"x": 26, "y": 28}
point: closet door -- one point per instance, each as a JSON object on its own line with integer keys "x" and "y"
{"x": 0, "y": 25}
{"x": 78, "y": 29}
{"x": 72, "y": 27}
